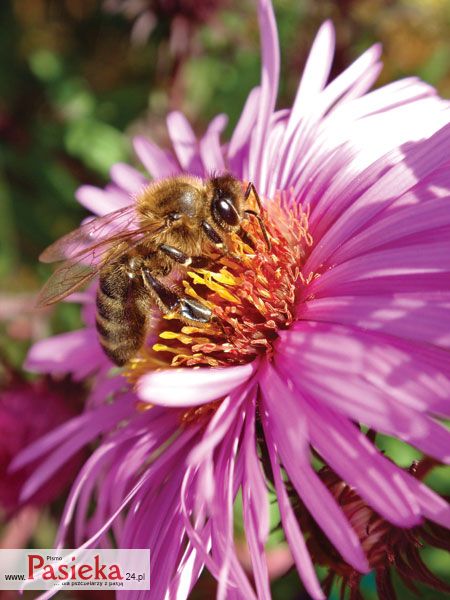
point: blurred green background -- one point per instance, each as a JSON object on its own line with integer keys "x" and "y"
{"x": 78, "y": 78}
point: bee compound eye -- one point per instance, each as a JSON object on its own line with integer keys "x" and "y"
{"x": 224, "y": 211}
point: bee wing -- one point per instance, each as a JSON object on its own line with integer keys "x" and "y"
{"x": 106, "y": 229}
{"x": 85, "y": 261}
{"x": 65, "y": 280}
{"x": 73, "y": 274}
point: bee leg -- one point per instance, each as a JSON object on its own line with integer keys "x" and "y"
{"x": 196, "y": 262}
{"x": 170, "y": 301}
{"x": 246, "y": 238}
{"x": 261, "y": 225}
{"x": 213, "y": 236}
{"x": 192, "y": 310}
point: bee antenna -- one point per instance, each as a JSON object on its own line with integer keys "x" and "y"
{"x": 251, "y": 188}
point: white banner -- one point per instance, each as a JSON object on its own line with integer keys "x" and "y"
{"x": 72, "y": 569}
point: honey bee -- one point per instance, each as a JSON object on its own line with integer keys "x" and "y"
{"x": 171, "y": 224}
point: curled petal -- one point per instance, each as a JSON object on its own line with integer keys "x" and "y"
{"x": 192, "y": 387}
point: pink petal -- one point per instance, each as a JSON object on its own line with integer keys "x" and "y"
{"x": 48, "y": 442}
{"x": 398, "y": 115}
{"x": 291, "y": 527}
{"x": 237, "y": 576}
{"x": 370, "y": 406}
{"x": 101, "y": 202}
{"x": 258, "y": 165}
{"x": 410, "y": 221}
{"x": 433, "y": 507}
{"x": 108, "y": 417}
{"x": 317, "y": 68}
{"x": 393, "y": 95}
{"x": 408, "y": 317}
{"x": 157, "y": 465}
{"x": 159, "y": 163}
{"x": 218, "y": 427}
{"x": 384, "y": 388}
{"x": 188, "y": 572}
{"x": 345, "y": 449}
{"x": 256, "y": 483}
{"x": 255, "y": 509}
{"x": 360, "y": 88}
{"x": 238, "y": 146}
{"x": 417, "y": 260}
{"x": 416, "y": 376}
{"x": 228, "y": 473}
{"x": 76, "y": 352}
{"x": 351, "y": 212}
{"x": 345, "y": 82}
{"x": 289, "y": 430}
{"x": 313, "y": 80}
{"x": 302, "y": 148}
{"x": 223, "y": 524}
{"x": 185, "y": 143}
{"x": 128, "y": 178}
{"x": 192, "y": 387}
{"x": 196, "y": 534}
{"x": 210, "y": 150}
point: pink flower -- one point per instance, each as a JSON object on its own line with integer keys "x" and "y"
{"x": 27, "y": 412}
{"x": 344, "y": 321}
{"x": 385, "y": 545}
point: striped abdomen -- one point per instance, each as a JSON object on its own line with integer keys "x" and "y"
{"x": 120, "y": 317}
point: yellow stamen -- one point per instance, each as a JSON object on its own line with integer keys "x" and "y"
{"x": 203, "y": 277}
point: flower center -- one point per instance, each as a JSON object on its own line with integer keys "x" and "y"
{"x": 377, "y": 537}
{"x": 385, "y": 545}
{"x": 251, "y": 290}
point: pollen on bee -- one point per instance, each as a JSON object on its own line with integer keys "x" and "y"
{"x": 252, "y": 292}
